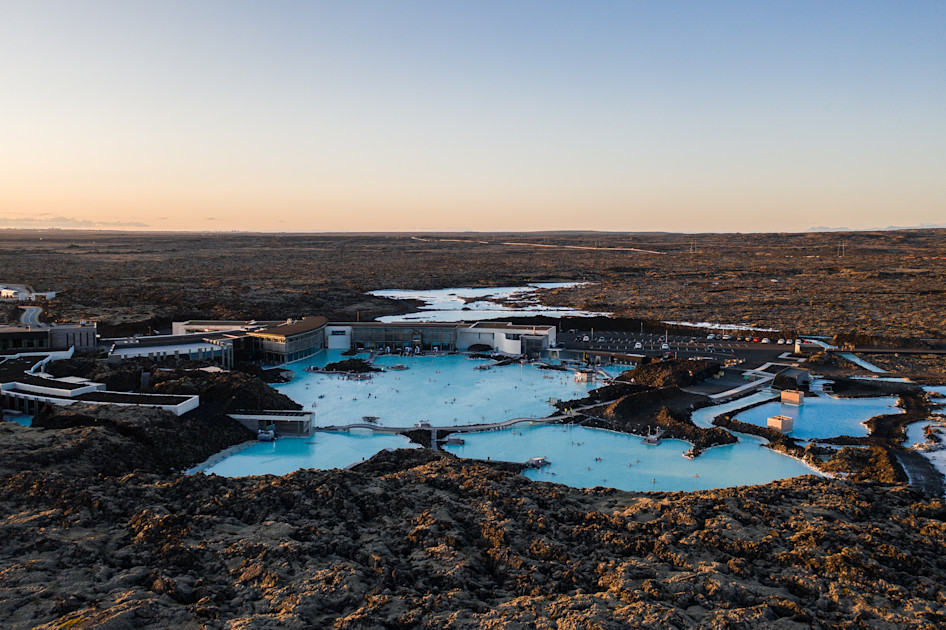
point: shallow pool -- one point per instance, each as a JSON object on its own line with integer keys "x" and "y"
{"x": 24, "y": 420}
{"x": 321, "y": 451}
{"x": 704, "y": 417}
{"x": 626, "y": 462}
{"x": 825, "y": 417}
{"x": 443, "y": 390}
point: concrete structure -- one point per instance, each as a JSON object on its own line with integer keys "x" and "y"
{"x": 219, "y": 347}
{"x": 503, "y": 337}
{"x": 793, "y": 397}
{"x": 290, "y": 341}
{"x": 279, "y": 342}
{"x": 23, "y": 338}
{"x": 81, "y": 336}
{"x": 284, "y": 422}
{"x": 23, "y": 293}
{"x": 507, "y": 338}
{"x": 30, "y": 392}
{"x": 801, "y": 376}
{"x": 197, "y": 326}
{"x": 782, "y": 424}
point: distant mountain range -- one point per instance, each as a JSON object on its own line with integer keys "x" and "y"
{"x": 922, "y": 226}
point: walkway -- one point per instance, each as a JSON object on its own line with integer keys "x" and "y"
{"x": 922, "y": 474}
{"x": 463, "y": 428}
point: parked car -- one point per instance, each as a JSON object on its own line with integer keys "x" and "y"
{"x": 601, "y": 340}
{"x": 665, "y": 346}
{"x": 781, "y": 342}
{"x": 711, "y": 336}
{"x": 766, "y": 340}
{"x": 727, "y": 337}
{"x": 638, "y": 345}
{"x": 756, "y": 339}
{"x": 585, "y": 338}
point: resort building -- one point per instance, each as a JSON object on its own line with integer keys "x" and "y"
{"x": 23, "y": 339}
{"x": 440, "y": 336}
{"x": 21, "y": 293}
{"x": 291, "y": 340}
{"x": 25, "y": 389}
{"x": 81, "y": 336}
{"x": 220, "y": 347}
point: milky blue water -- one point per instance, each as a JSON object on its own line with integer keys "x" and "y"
{"x": 704, "y": 417}
{"x": 26, "y": 421}
{"x": 468, "y": 304}
{"x": 322, "y": 451}
{"x": 447, "y": 390}
{"x": 626, "y": 462}
{"x": 915, "y": 432}
{"x": 443, "y": 390}
{"x": 825, "y": 417}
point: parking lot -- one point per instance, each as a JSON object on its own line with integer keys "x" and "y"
{"x": 752, "y": 352}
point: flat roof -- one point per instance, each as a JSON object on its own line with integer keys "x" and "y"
{"x": 39, "y": 381}
{"x": 415, "y": 324}
{"x": 132, "y": 398}
{"x": 154, "y": 341}
{"x": 171, "y": 348}
{"x": 510, "y": 326}
{"x": 304, "y": 325}
{"x": 23, "y": 330}
{"x": 12, "y": 369}
{"x": 227, "y": 322}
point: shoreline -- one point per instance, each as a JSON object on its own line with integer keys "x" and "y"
{"x": 216, "y": 458}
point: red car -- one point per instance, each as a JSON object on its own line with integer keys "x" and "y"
{"x": 756, "y": 339}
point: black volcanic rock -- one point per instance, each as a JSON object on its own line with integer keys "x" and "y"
{"x": 424, "y": 540}
{"x": 226, "y": 391}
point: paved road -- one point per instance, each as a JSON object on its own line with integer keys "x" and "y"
{"x": 30, "y": 316}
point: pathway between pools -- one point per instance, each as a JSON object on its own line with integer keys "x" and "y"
{"x": 465, "y": 428}
{"x": 920, "y": 471}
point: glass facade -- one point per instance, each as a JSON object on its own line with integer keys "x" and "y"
{"x": 396, "y": 337}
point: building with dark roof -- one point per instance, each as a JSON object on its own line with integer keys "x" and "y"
{"x": 290, "y": 341}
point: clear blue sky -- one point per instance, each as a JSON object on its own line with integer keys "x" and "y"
{"x": 679, "y": 116}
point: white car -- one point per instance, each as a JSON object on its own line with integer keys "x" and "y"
{"x": 781, "y": 342}
{"x": 638, "y": 346}
{"x": 711, "y": 336}
{"x": 726, "y": 337}
{"x": 789, "y": 341}
{"x": 766, "y": 340}
{"x": 665, "y": 346}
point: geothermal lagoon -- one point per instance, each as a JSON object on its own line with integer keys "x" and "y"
{"x": 448, "y": 390}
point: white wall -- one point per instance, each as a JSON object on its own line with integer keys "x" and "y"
{"x": 337, "y": 341}
{"x": 469, "y": 337}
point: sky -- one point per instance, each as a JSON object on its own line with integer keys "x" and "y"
{"x": 521, "y": 115}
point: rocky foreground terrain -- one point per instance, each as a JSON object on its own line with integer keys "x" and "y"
{"x": 98, "y": 531}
